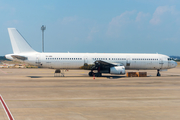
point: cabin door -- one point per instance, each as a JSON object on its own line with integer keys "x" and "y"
{"x": 128, "y": 62}
{"x": 38, "y": 60}
{"x": 161, "y": 62}
{"x": 85, "y": 60}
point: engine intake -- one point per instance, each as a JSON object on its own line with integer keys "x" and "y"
{"x": 117, "y": 70}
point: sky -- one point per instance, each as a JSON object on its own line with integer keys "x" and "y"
{"x": 94, "y": 26}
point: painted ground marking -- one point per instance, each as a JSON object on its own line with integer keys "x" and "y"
{"x": 6, "y": 109}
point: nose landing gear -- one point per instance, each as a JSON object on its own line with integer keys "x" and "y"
{"x": 158, "y": 74}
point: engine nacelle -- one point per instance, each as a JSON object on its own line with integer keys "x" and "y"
{"x": 117, "y": 70}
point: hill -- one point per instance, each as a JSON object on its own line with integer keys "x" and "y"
{"x": 176, "y": 58}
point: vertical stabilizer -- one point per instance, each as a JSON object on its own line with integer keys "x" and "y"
{"x": 18, "y": 43}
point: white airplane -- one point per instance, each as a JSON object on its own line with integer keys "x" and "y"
{"x": 113, "y": 63}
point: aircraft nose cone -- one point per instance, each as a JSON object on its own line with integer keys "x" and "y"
{"x": 175, "y": 64}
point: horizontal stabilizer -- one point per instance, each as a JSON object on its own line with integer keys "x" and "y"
{"x": 19, "y": 57}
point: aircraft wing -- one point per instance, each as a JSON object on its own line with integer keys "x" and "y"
{"x": 107, "y": 67}
{"x": 103, "y": 63}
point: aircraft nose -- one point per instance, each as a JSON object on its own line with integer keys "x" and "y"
{"x": 172, "y": 64}
{"x": 175, "y": 64}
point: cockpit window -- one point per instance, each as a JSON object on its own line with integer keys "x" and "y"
{"x": 170, "y": 59}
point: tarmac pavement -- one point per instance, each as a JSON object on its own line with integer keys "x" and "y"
{"x": 35, "y": 94}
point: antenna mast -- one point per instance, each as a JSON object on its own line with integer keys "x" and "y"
{"x": 43, "y": 28}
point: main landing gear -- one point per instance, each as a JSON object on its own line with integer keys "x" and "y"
{"x": 96, "y": 67}
{"x": 91, "y": 73}
{"x": 98, "y": 74}
{"x": 158, "y": 74}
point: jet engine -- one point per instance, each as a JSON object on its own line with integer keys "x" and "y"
{"x": 117, "y": 70}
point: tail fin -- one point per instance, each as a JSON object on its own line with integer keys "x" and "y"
{"x": 18, "y": 43}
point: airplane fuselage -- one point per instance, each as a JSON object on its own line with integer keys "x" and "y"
{"x": 76, "y": 60}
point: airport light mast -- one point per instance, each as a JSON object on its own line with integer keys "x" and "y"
{"x": 43, "y": 28}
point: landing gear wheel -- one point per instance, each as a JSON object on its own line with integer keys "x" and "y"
{"x": 98, "y": 74}
{"x": 91, "y": 73}
{"x": 158, "y": 74}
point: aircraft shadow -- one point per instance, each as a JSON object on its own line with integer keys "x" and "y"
{"x": 114, "y": 77}
{"x": 109, "y": 77}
